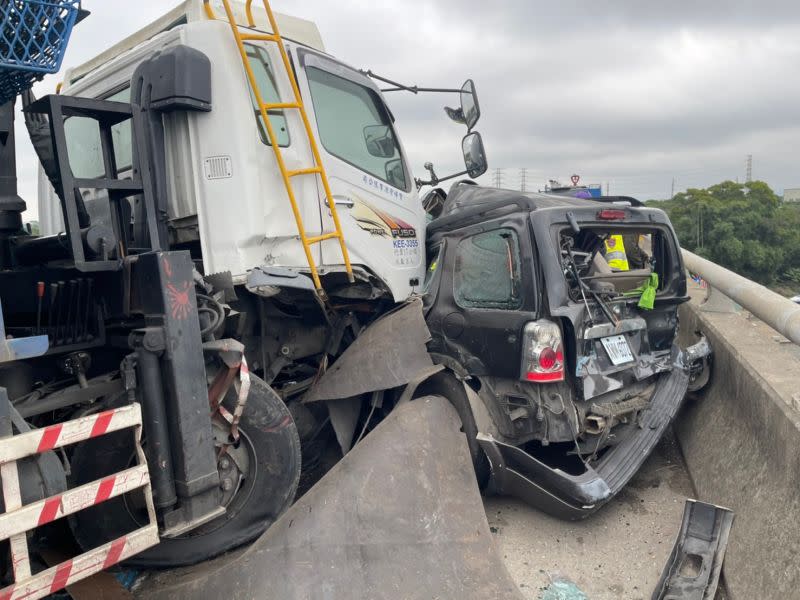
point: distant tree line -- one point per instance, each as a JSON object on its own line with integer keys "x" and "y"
{"x": 742, "y": 226}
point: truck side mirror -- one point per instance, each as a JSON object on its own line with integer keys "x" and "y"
{"x": 469, "y": 111}
{"x": 469, "y": 104}
{"x": 474, "y": 154}
{"x": 380, "y": 140}
{"x": 395, "y": 174}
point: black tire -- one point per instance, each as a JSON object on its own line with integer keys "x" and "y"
{"x": 444, "y": 384}
{"x": 268, "y": 429}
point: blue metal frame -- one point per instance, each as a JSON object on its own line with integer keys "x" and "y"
{"x": 33, "y": 37}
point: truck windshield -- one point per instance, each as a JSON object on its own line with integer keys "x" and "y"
{"x": 355, "y": 127}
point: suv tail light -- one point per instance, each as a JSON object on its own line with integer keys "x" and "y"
{"x": 542, "y": 352}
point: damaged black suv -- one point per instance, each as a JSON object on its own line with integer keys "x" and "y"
{"x": 564, "y": 369}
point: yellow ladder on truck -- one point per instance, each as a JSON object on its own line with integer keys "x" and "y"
{"x": 297, "y": 104}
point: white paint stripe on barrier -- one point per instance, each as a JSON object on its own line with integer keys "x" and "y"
{"x": 44, "y": 511}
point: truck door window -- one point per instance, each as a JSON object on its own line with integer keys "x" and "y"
{"x": 84, "y": 147}
{"x": 487, "y": 273}
{"x": 121, "y": 134}
{"x": 355, "y": 127}
{"x": 83, "y": 142}
{"x": 265, "y": 77}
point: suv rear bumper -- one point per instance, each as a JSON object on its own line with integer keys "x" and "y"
{"x": 517, "y": 473}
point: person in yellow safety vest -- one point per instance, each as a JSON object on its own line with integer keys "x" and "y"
{"x": 615, "y": 253}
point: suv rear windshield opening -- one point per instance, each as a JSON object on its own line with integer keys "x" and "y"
{"x": 614, "y": 262}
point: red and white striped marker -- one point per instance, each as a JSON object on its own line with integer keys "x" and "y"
{"x": 48, "y": 510}
{"x": 80, "y": 567}
{"x": 70, "y": 432}
{"x": 18, "y": 519}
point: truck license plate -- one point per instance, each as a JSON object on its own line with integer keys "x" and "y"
{"x": 618, "y": 350}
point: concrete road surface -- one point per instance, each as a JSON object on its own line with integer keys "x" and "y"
{"x": 616, "y": 554}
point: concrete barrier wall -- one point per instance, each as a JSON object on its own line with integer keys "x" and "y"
{"x": 741, "y": 442}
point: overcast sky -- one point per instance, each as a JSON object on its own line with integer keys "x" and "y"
{"x": 626, "y": 93}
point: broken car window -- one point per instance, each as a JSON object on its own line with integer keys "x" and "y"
{"x": 614, "y": 261}
{"x": 487, "y": 270}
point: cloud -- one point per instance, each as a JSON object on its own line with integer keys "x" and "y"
{"x": 631, "y": 93}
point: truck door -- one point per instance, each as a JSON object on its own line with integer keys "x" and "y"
{"x": 486, "y": 294}
{"x": 381, "y": 216}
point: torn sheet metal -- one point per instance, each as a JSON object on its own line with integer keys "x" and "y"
{"x": 400, "y": 516}
{"x": 389, "y": 353}
{"x": 599, "y": 378}
{"x": 344, "y": 417}
{"x": 267, "y": 281}
{"x": 694, "y": 565}
{"x": 698, "y": 359}
{"x": 567, "y": 496}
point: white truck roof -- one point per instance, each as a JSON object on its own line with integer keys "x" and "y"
{"x": 293, "y": 28}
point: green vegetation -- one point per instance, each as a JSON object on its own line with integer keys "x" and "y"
{"x": 744, "y": 227}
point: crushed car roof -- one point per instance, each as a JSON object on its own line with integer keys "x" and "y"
{"x": 463, "y": 196}
{"x": 467, "y": 202}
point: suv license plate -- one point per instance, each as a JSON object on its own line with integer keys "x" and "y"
{"x": 617, "y": 348}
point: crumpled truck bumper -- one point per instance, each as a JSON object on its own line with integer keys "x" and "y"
{"x": 517, "y": 473}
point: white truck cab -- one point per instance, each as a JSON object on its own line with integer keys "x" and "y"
{"x": 226, "y": 198}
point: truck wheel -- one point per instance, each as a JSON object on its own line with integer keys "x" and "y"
{"x": 258, "y": 481}
{"x": 443, "y": 384}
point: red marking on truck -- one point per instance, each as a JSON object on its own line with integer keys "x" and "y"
{"x": 62, "y": 576}
{"x": 49, "y": 438}
{"x": 104, "y": 489}
{"x": 115, "y": 552}
{"x": 284, "y": 423}
{"x": 50, "y": 510}
{"x": 101, "y": 424}
{"x": 179, "y": 305}
{"x": 167, "y": 267}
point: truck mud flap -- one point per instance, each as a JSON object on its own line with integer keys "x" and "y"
{"x": 400, "y": 516}
{"x": 517, "y": 473}
{"x": 693, "y": 568}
